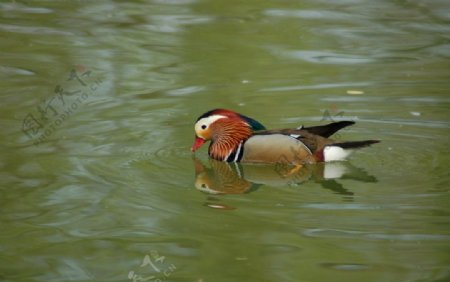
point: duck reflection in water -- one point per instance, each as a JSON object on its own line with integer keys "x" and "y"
{"x": 234, "y": 178}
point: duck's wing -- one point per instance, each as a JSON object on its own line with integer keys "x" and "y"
{"x": 281, "y": 146}
{"x": 320, "y": 148}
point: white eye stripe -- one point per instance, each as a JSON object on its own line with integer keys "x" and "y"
{"x": 207, "y": 121}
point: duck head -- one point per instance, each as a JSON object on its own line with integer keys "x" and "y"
{"x": 225, "y": 129}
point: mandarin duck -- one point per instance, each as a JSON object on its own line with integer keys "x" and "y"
{"x": 237, "y": 138}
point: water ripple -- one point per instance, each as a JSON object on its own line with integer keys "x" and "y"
{"x": 16, "y": 7}
{"x": 13, "y": 70}
{"x": 337, "y": 233}
{"x": 315, "y": 86}
{"x": 323, "y": 57}
{"x": 346, "y": 266}
{"x": 33, "y": 30}
{"x": 310, "y": 14}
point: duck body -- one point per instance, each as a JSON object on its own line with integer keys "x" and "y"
{"x": 238, "y": 138}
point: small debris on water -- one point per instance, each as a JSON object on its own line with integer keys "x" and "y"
{"x": 355, "y": 92}
{"x": 241, "y": 258}
{"x": 416, "y": 114}
{"x": 219, "y": 206}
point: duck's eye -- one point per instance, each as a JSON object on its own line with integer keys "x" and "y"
{"x": 203, "y": 126}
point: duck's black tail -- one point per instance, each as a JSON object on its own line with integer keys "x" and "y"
{"x": 355, "y": 144}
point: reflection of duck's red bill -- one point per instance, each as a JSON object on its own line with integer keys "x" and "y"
{"x": 197, "y": 144}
